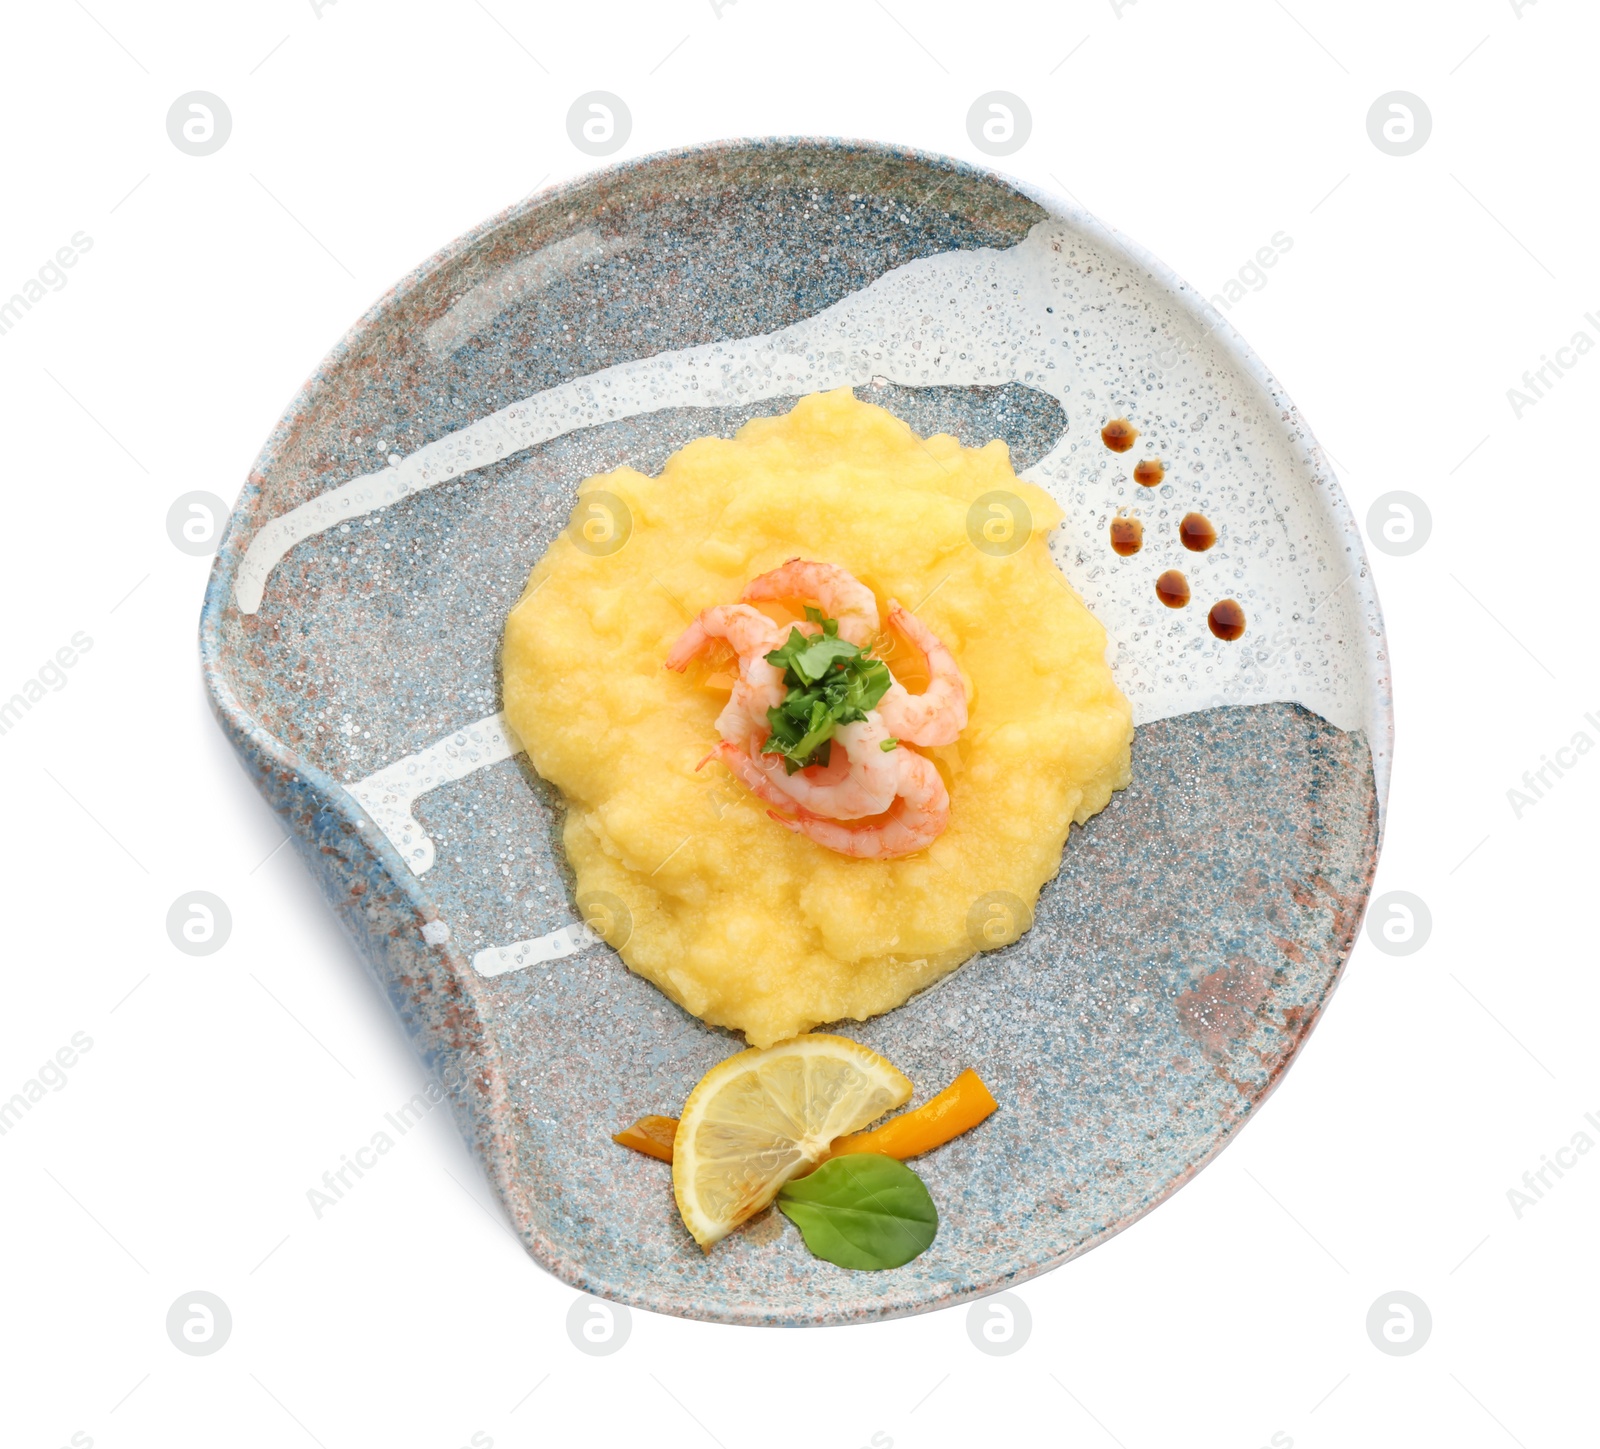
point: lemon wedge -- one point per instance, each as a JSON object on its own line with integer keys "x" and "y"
{"x": 769, "y": 1114}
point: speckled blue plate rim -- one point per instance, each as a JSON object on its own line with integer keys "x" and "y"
{"x": 384, "y": 895}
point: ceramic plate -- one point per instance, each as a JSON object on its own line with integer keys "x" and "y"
{"x": 1177, "y": 962}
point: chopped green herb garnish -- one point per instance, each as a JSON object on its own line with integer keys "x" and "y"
{"x": 808, "y": 661}
{"x": 831, "y": 682}
{"x": 887, "y": 745}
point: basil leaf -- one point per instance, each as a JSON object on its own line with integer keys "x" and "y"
{"x": 862, "y": 1210}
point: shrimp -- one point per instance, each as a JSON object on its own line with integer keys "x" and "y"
{"x": 859, "y": 779}
{"x": 755, "y": 778}
{"x": 841, "y": 595}
{"x": 916, "y": 819}
{"x": 896, "y": 795}
{"x": 939, "y": 713}
{"x": 760, "y": 686}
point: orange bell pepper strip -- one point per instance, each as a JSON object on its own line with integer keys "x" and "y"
{"x": 960, "y": 1107}
{"x": 650, "y": 1135}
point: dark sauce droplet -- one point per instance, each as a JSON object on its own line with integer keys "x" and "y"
{"x": 1226, "y": 619}
{"x": 1118, "y": 435}
{"x": 1172, "y": 589}
{"x": 1127, "y": 536}
{"x": 1150, "y": 472}
{"x": 1197, "y": 532}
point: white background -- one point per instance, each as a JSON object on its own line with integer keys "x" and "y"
{"x": 179, "y": 1153}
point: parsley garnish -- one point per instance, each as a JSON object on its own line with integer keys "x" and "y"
{"x": 831, "y": 682}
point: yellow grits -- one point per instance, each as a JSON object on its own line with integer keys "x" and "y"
{"x": 736, "y": 919}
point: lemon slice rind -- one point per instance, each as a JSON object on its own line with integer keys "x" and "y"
{"x": 766, "y": 1115}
